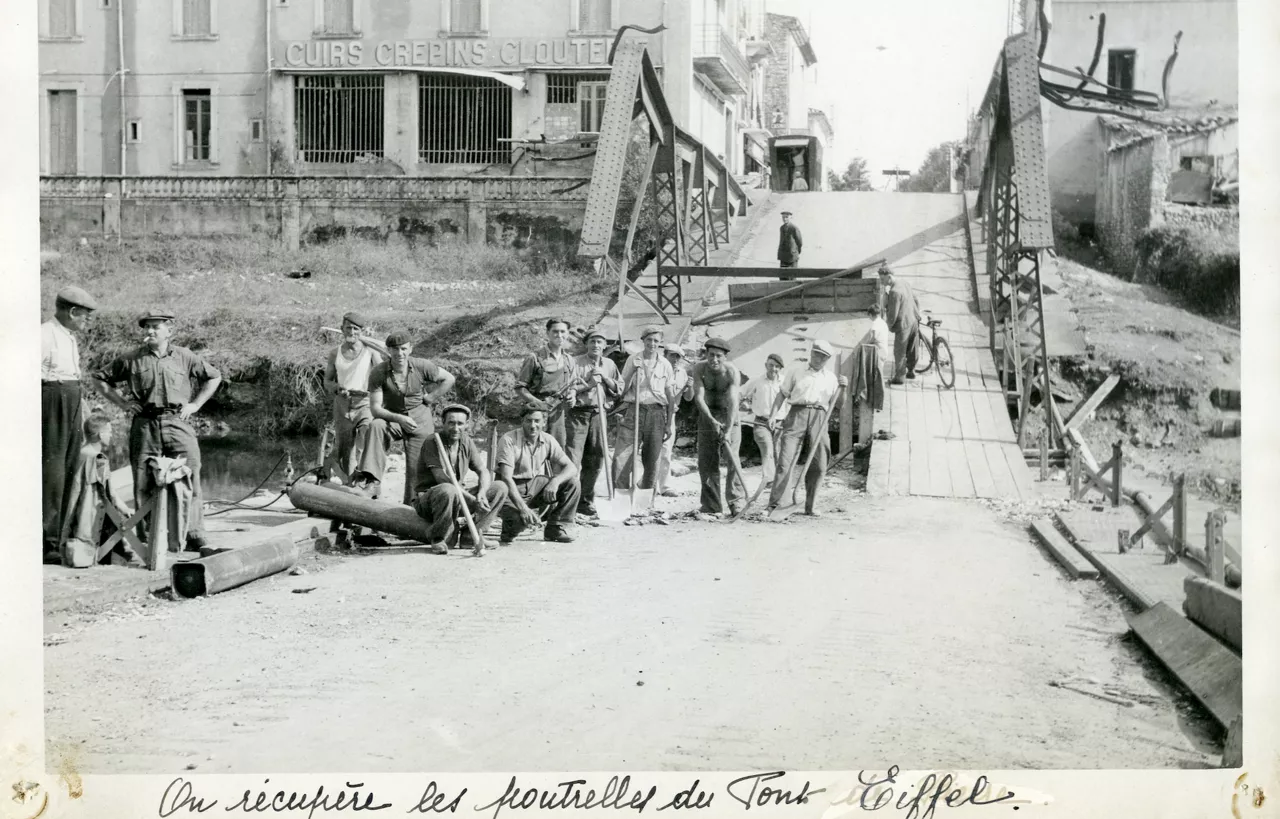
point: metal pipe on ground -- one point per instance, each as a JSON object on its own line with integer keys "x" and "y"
{"x": 232, "y": 568}
{"x": 336, "y": 504}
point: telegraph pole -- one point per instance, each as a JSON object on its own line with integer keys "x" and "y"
{"x": 897, "y": 175}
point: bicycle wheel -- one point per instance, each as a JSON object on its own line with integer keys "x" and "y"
{"x": 924, "y": 354}
{"x": 946, "y": 364}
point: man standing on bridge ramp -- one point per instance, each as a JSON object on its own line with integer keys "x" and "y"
{"x": 790, "y": 243}
{"x": 902, "y": 314}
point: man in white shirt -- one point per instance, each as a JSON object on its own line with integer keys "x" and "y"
{"x": 682, "y": 387}
{"x": 648, "y": 375}
{"x": 60, "y": 411}
{"x": 759, "y": 393}
{"x": 811, "y": 392}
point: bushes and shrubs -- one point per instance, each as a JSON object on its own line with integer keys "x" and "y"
{"x": 1202, "y": 266}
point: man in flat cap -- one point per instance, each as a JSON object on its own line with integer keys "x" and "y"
{"x": 759, "y": 394}
{"x": 156, "y": 389}
{"x": 815, "y": 393}
{"x": 546, "y": 378}
{"x": 586, "y": 442}
{"x": 539, "y": 476}
{"x": 790, "y": 243}
{"x": 60, "y": 412}
{"x": 648, "y": 377}
{"x": 401, "y": 392}
{"x": 682, "y": 389}
{"x": 346, "y": 378}
{"x": 715, "y": 394}
{"x": 436, "y": 499}
{"x": 902, "y": 315}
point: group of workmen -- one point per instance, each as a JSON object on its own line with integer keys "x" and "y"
{"x": 576, "y": 410}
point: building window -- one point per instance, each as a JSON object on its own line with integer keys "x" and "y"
{"x": 591, "y": 106}
{"x": 1120, "y": 68}
{"x": 64, "y": 19}
{"x": 133, "y": 131}
{"x": 197, "y": 18}
{"x": 64, "y": 129}
{"x": 255, "y": 130}
{"x": 339, "y": 117}
{"x": 462, "y": 120}
{"x": 339, "y": 17}
{"x": 197, "y": 125}
{"x": 595, "y": 15}
{"x": 465, "y": 16}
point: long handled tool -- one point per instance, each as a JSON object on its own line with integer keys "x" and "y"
{"x": 764, "y": 480}
{"x": 478, "y": 550}
{"x": 784, "y": 512}
{"x": 604, "y": 439}
{"x": 735, "y": 465}
{"x": 635, "y": 445}
{"x": 616, "y": 508}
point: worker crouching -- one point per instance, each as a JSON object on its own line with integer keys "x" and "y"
{"x": 539, "y": 476}
{"x": 439, "y": 496}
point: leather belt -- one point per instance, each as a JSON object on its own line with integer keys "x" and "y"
{"x": 52, "y": 381}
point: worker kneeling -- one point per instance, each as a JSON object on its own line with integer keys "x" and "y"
{"x": 442, "y": 466}
{"x": 538, "y": 476}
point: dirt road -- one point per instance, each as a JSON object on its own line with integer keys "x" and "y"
{"x": 898, "y": 631}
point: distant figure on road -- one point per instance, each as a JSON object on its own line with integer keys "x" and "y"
{"x": 715, "y": 394}
{"x": 903, "y": 317}
{"x": 790, "y": 243}
{"x": 798, "y": 182}
{"x": 346, "y": 378}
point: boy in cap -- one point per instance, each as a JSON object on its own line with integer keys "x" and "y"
{"x": 790, "y": 243}
{"x": 648, "y": 375}
{"x": 90, "y": 491}
{"x": 715, "y": 394}
{"x": 436, "y": 499}
{"x": 682, "y": 388}
{"x": 759, "y": 393}
{"x": 346, "y": 378}
{"x": 586, "y": 444}
{"x": 902, "y": 315}
{"x": 546, "y": 378}
{"x": 538, "y": 475}
{"x": 811, "y": 392}
{"x": 401, "y": 392}
{"x": 157, "y": 380}
{"x": 60, "y": 411}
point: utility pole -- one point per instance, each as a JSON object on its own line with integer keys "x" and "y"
{"x": 897, "y": 175}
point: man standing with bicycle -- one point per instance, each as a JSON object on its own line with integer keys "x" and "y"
{"x": 902, "y": 314}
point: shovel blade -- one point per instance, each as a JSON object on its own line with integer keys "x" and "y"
{"x": 784, "y": 512}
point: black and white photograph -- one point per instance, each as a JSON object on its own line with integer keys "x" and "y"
{"x": 642, "y": 388}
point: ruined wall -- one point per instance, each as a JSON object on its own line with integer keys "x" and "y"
{"x": 1225, "y": 220}
{"x": 1132, "y": 182}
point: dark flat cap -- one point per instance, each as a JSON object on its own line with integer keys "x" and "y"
{"x": 651, "y": 330}
{"x": 716, "y": 343}
{"x": 155, "y": 315}
{"x": 455, "y": 408}
{"x": 530, "y": 408}
{"x": 76, "y": 297}
{"x": 355, "y": 318}
{"x": 595, "y": 332}
{"x": 398, "y": 339}
{"x": 787, "y": 213}
{"x": 777, "y": 358}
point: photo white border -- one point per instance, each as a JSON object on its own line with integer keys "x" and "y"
{"x": 1134, "y": 794}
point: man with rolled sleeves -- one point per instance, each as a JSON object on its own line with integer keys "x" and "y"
{"x": 157, "y": 393}
{"x": 650, "y": 375}
{"x": 811, "y": 391}
{"x": 715, "y": 394}
{"x": 346, "y": 378}
{"x": 546, "y": 379}
{"x": 60, "y": 411}
{"x": 436, "y": 499}
{"x": 539, "y": 476}
{"x": 586, "y": 443}
{"x": 401, "y": 392}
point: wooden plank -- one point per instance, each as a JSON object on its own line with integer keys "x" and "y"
{"x": 958, "y": 463}
{"x": 983, "y": 484}
{"x": 1216, "y": 609}
{"x": 939, "y": 470}
{"x": 1071, "y": 559}
{"x": 988, "y": 430}
{"x": 966, "y": 415}
{"x": 1081, "y": 412}
{"x": 1000, "y": 412}
{"x": 899, "y": 467}
{"x": 756, "y": 272}
{"x": 919, "y": 468}
{"x": 1020, "y": 471}
{"x": 878, "y": 471}
{"x": 1209, "y": 671}
{"x": 1005, "y": 487}
{"x": 899, "y": 418}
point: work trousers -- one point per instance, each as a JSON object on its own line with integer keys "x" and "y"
{"x": 377, "y": 442}
{"x": 559, "y": 513}
{"x": 805, "y": 428}
{"x": 60, "y": 442}
{"x": 904, "y": 350}
{"x": 664, "y": 459}
{"x": 710, "y": 449}
{"x": 170, "y": 437}
{"x": 586, "y": 448}
{"x": 351, "y": 419}
{"x": 764, "y": 443}
{"x": 653, "y": 423}
{"x": 557, "y": 426}
{"x": 443, "y": 504}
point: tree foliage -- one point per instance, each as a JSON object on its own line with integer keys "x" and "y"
{"x": 934, "y": 175}
{"x": 854, "y": 178}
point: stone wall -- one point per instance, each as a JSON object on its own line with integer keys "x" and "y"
{"x": 1225, "y": 220}
{"x": 560, "y": 120}
{"x": 777, "y": 77}
{"x": 1132, "y": 181}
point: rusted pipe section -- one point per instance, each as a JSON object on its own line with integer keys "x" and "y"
{"x": 335, "y": 504}
{"x": 235, "y": 567}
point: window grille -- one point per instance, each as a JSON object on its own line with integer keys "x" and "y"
{"x": 339, "y": 117}
{"x": 461, "y": 120}
{"x": 562, "y": 86}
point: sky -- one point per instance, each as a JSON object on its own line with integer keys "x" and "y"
{"x": 893, "y": 75}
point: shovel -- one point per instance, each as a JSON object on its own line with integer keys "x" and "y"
{"x": 616, "y": 508}
{"x": 783, "y": 512}
{"x": 639, "y": 497}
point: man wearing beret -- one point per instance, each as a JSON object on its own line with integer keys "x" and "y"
{"x": 346, "y": 378}
{"x": 156, "y": 390}
{"x": 60, "y": 411}
{"x": 546, "y": 379}
{"x": 538, "y": 475}
{"x": 811, "y": 392}
{"x": 586, "y": 443}
{"x": 760, "y": 393}
{"x": 401, "y": 392}
{"x": 436, "y": 499}
{"x": 715, "y": 394}
{"x": 650, "y": 376}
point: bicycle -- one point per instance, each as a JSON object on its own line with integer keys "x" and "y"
{"x": 936, "y": 351}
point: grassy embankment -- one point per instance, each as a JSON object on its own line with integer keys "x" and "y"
{"x": 475, "y": 310}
